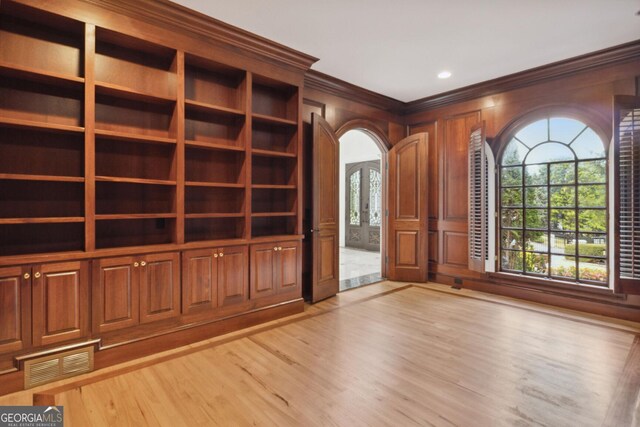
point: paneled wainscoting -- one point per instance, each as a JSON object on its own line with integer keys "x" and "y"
{"x": 385, "y": 354}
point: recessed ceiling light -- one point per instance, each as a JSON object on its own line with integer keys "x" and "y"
{"x": 444, "y": 75}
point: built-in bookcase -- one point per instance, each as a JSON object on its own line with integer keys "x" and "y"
{"x": 41, "y": 133}
{"x": 110, "y": 141}
{"x": 274, "y": 158}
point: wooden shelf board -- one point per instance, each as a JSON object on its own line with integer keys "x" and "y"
{"x": 270, "y": 153}
{"x": 271, "y": 214}
{"x": 214, "y": 215}
{"x": 49, "y": 220}
{"x": 213, "y": 146}
{"x": 213, "y": 109}
{"x": 134, "y": 137}
{"x": 263, "y": 118}
{"x": 124, "y": 92}
{"x": 213, "y": 184}
{"x": 276, "y": 237}
{"x": 135, "y": 180}
{"x": 273, "y": 187}
{"x": 53, "y": 127}
{"x": 105, "y": 217}
{"x": 38, "y": 75}
{"x": 49, "y": 178}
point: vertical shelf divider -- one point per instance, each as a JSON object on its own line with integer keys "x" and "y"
{"x": 299, "y": 149}
{"x": 248, "y": 158}
{"x": 179, "y": 127}
{"x": 89, "y": 137}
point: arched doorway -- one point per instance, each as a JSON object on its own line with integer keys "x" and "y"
{"x": 362, "y": 207}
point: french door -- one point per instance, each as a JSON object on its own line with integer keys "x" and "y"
{"x": 363, "y": 205}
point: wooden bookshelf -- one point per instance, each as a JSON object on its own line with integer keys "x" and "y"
{"x": 117, "y": 149}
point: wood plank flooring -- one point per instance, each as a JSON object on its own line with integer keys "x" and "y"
{"x": 386, "y": 354}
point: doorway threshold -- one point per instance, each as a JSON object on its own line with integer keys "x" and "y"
{"x": 356, "y": 282}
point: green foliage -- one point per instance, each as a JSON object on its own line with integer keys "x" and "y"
{"x": 587, "y": 250}
{"x": 586, "y": 273}
{"x": 536, "y": 263}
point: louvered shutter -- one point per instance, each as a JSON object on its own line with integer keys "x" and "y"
{"x": 477, "y": 199}
{"x": 627, "y": 193}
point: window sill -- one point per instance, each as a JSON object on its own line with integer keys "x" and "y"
{"x": 557, "y": 286}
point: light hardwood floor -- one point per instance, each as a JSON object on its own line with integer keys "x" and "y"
{"x": 385, "y": 354}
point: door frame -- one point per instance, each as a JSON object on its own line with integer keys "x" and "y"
{"x": 383, "y": 143}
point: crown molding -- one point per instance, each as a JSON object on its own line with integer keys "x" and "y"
{"x": 173, "y": 15}
{"x": 613, "y": 55}
{"x": 331, "y": 85}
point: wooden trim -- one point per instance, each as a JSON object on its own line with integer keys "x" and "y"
{"x": 580, "y": 301}
{"x": 179, "y": 18}
{"x": 331, "y": 85}
{"x": 609, "y": 56}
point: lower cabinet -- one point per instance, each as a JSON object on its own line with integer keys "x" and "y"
{"x": 275, "y": 269}
{"x": 214, "y": 278}
{"x": 43, "y": 304}
{"x": 128, "y": 291}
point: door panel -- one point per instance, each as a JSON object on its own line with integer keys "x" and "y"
{"x": 233, "y": 283}
{"x": 15, "y": 309}
{"x": 159, "y": 287}
{"x": 60, "y": 302}
{"x": 363, "y": 205}
{"x": 115, "y": 294}
{"x": 199, "y": 280}
{"x": 289, "y": 268}
{"x": 408, "y": 188}
{"x": 325, "y": 282}
{"x": 263, "y": 270}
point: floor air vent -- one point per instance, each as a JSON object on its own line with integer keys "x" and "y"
{"x": 57, "y": 366}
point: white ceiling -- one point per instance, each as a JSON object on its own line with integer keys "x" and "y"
{"x": 397, "y": 48}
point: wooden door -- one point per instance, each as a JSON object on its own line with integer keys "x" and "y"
{"x": 289, "y": 274}
{"x": 408, "y": 187}
{"x": 325, "y": 280}
{"x": 199, "y": 280}
{"x": 115, "y": 293}
{"x": 60, "y": 302}
{"x": 233, "y": 275}
{"x": 363, "y": 205}
{"x": 15, "y": 309}
{"x": 263, "y": 270}
{"x": 159, "y": 286}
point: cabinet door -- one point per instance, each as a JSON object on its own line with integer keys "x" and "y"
{"x": 263, "y": 270}
{"x": 159, "y": 287}
{"x": 115, "y": 294}
{"x": 15, "y": 308}
{"x": 233, "y": 283}
{"x": 199, "y": 280}
{"x": 60, "y": 302}
{"x": 289, "y": 268}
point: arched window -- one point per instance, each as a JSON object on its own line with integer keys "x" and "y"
{"x": 553, "y": 202}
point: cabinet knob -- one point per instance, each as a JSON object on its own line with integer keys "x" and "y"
{"x": 275, "y": 248}
{"x": 136, "y": 265}
{"x": 37, "y": 275}
{"x": 221, "y": 254}
{"x": 279, "y": 248}
{"x": 215, "y": 255}
{"x": 143, "y": 263}
{"x": 27, "y": 276}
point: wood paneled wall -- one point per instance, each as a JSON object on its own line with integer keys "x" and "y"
{"x": 590, "y": 92}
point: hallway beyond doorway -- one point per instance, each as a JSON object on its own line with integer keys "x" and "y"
{"x": 358, "y": 267}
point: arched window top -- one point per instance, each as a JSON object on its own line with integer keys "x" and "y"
{"x": 553, "y": 139}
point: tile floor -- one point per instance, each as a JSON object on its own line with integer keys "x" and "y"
{"x": 358, "y": 267}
